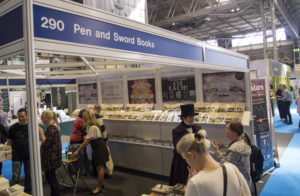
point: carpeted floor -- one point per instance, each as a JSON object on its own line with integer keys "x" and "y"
{"x": 284, "y": 180}
{"x": 281, "y": 127}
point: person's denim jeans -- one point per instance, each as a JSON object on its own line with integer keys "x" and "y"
{"x": 52, "y": 181}
{"x": 16, "y": 171}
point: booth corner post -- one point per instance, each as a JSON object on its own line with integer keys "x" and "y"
{"x": 34, "y": 146}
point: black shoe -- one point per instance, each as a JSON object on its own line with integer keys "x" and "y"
{"x": 107, "y": 176}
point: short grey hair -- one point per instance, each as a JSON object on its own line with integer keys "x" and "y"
{"x": 193, "y": 142}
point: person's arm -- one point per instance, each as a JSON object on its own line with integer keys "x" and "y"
{"x": 10, "y": 136}
{"x": 84, "y": 143}
{"x": 219, "y": 156}
{"x": 9, "y": 142}
{"x": 42, "y": 134}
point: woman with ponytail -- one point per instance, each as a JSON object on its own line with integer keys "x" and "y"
{"x": 238, "y": 151}
{"x": 207, "y": 176}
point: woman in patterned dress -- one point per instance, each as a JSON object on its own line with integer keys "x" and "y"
{"x": 51, "y": 149}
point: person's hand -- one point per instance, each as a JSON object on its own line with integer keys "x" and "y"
{"x": 192, "y": 172}
{"x": 215, "y": 145}
{"x": 75, "y": 154}
{"x": 41, "y": 130}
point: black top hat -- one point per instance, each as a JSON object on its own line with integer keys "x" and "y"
{"x": 188, "y": 110}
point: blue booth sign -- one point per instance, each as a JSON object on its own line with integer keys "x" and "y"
{"x": 20, "y": 82}
{"x": 63, "y": 26}
{"x": 11, "y": 25}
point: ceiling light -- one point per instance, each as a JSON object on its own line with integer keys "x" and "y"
{"x": 237, "y": 9}
{"x": 232, "y": 10}
{"x": 173, "y": 23}
{"x": 207, "y": 18}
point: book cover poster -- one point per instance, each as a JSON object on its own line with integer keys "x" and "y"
{"x": 112, "y": 92}
{"x": 88, "y": 93}
{"x": 177, "y": 89}
{"x": 224, "y": 87}
{"x": 4, "y": 100}
{"x": 141, "y": 91}
{"x": 59, "y": 98}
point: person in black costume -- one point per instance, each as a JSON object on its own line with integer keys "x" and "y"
{"x": 271, "y": 94}
{"x": 280, "y": 103}
{"x": 179, "y": 168}
{"x": 3, "y": 138}
{"x": 286, "y": 101}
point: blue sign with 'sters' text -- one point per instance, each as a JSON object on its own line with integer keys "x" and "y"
{"x": 63, "y": 26}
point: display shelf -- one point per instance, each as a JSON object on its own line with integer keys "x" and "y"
{"x": 126, "y": 151}
{"x": 245, "y": 121}
{"x": 142, "y": 143}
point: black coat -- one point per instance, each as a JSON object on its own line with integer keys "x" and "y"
{"x": 3, "y": 134}
{"x": 179, "y": 172}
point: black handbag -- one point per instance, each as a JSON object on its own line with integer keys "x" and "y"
{"x": 224, "y": 179}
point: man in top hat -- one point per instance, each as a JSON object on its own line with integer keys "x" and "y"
{"x": 179, "y": 168}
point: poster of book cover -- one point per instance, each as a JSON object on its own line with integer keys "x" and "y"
{"x": 141, "y": 91}
{"x": 178, "y": 89}
{"x": 261, "y": 121}
{"x": 88, "y": 93}
{"x": 59, "y": 98}
{"x": 112, "y": 92}
{"x": 224, "y": 87}
{"x": 4, "y": 100}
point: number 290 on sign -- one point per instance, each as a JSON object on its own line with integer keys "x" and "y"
{"x": 51, "y": 23}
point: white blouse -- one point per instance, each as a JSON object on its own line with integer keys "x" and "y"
{"x": 211, "y": 183}
{"x": 93, "y": 132}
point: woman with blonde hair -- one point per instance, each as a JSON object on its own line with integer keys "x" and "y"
{"x": 100, "y": 153}
{"x": 207, "y": 176}
{"x": 51, "y": 149}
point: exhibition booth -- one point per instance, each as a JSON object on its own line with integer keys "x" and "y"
{"x": 140, "y": 105}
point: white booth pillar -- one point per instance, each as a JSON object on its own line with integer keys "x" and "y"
{"x": 99, "y": 92}
{"x": 199, "y": 85}
{"x": 158, "y": 90}
{"x": 34, "y": 142}
{"x": 125, "y": 88}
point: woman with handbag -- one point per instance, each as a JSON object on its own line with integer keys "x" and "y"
{"x": 100, "y": 152}
{"x": 207, "y": 176}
